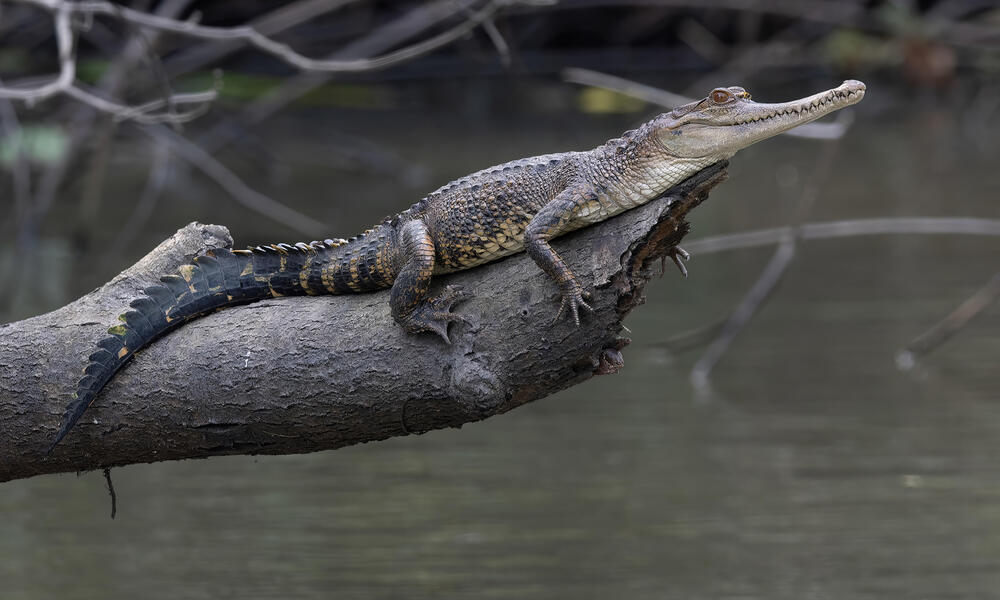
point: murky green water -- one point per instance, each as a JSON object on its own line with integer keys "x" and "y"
{"x": 814, "y": 470}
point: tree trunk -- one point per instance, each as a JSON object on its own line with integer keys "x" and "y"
{"x": 302, "y": 374}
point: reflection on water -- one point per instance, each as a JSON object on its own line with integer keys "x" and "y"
{"x": 815, "y": 470}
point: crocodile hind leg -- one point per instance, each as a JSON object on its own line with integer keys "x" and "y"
{"x": 411, "y": 307}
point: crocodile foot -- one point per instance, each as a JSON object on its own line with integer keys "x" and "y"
{"x": 575, "y": 299}
{"x": 433, "y": 315}
{"x": 675, "y": 254}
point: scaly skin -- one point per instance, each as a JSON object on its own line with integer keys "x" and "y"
{"x": 520, "y": 205}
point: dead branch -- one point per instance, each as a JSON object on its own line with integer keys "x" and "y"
{"x": 848, "y": 228}
{"x": 769, "y": 278}
{"x": 943, "y": 330}
{"x": 201, "y": 160}
{"x": 703, "y": 334}
{"x": 254, "y": 38}
{"x": 65, "y": 82}
{"x": 742, "y": 313}
{"x": 280, "y": 19}
{"x": 87, "y": 123}
{"x": 156, "y": 182}
{"x": 295, "y": 375}
{"x": 413, "y": 23}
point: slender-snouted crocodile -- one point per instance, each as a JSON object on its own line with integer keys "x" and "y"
{"x": 520, "y": 205}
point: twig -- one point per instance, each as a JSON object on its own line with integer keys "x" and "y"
{"x": 81, "y": 124}
{"x": 198, "y": 158}
{"x": 653, "y": 95}
{"x": 624, "y": 86}
{"x": 503, "y": 49}
{"x": 943, "y": 330}
{"x": 280, "y": 19}
{"x": 848, "y": 228}
{"x": 252, "y": 37}
{"x": 741, "y": 315}
{"x": 834, "y": 12}
{"x": 111, "y": 491}
{"x": 788, "y": 44}
{"x": 144, "y": 113}
{"x": 159, "y": 177}
{"x": 769, "y": 278}
{"x": 702, "y": 41}
{"x": 12, "y": 270}
{"x": 841, "y": 13}
{"x": 65, "y": 82}
{"x": 820, "y": 231}
{"x": 67, "y": 61}
{"x": 387, "y": 36}
{"x": 693, "y": 338}
{"x": 20, "y": 172}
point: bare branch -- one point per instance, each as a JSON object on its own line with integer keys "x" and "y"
{"x": 390, "y": 35}
{"x": 848, "y": 228}
{"x": 198, "y": 158}
{"x": 768, "y": 280}
{"x": 61, "y": 13}
{"x": 147, "y": 113}
{"x": 832, "y": 230}
{"x": 942, "y": 331}
{"x": 280, "y": 19}
{"x": 10, "y": 126}
{"x": 503, "y": 49}
{"x": 156, "y": 183}
{"x": 65, "y": 82}
{"x": 742, "y": 314}
{"x": 252, "y": 37}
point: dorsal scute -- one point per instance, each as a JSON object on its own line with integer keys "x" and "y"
{"x": 473, "y": 181}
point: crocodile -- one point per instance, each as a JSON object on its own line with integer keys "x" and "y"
{"x": 513, "y": 207}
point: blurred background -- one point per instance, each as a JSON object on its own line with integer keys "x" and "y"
{"x": 813, "y": 413}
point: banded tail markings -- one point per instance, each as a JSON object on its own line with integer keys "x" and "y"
{"x": 219, "y": 278}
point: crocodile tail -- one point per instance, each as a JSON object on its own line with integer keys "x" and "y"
{"x": 217, "y": 279}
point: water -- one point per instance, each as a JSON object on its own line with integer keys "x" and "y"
{"x": 815, "y": 469}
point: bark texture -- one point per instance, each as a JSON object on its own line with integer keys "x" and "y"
{"x": 303, "y": 374}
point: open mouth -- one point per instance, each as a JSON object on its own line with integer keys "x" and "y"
{"x": 846, "y": 94}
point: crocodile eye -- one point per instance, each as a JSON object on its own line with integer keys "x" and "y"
{"x": 721, "y": 96}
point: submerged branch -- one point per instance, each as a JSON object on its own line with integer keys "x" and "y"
{"x": 768, "y": 280}
{"x": 699, "y": 336}
{"x": 942, "y": 331}
{"x": 848, "y": 228}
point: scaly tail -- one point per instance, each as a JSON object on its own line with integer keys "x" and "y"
{"x": 220, "y": 278}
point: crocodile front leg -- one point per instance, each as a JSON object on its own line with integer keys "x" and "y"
{"x": 411, "y": 307}
{"x": 553, "y": 219}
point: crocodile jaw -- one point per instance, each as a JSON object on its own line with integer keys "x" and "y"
{"x": 718, "y": 132}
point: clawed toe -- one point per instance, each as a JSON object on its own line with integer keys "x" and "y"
{"x": 434, "y": 314}
{"x": 575, "y": 301}
{"x": 440, "y": 327}
{"x": 676, "y": 254}
{"x": 452, "y": 295}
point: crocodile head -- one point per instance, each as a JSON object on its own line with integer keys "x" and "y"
{"x": 727, "y": 120}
